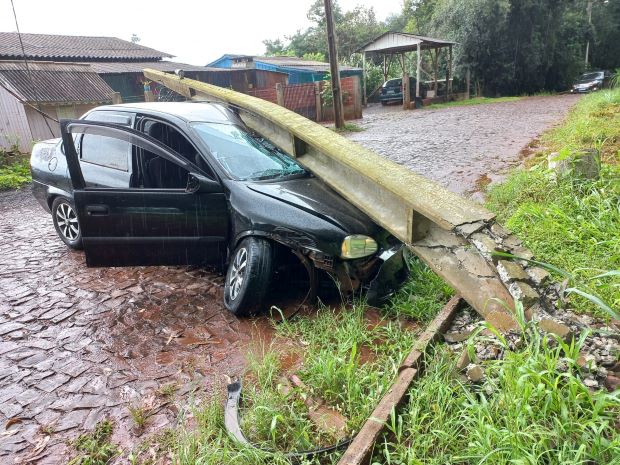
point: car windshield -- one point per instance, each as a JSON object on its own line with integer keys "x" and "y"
{"x": 590, "y": 76}
{"x": 246, "y": 156}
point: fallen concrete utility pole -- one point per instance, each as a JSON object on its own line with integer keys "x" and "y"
{"x": 456, "y": 237}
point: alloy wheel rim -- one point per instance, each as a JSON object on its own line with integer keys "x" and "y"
{"x": 67, "y": 222}
{"x": 237, "y": 274}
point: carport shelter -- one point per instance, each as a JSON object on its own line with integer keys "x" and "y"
{"x": 60, "y": 90}
{"x": 397, "y": 44}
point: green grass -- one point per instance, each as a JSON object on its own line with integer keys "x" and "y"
{"x": 571, "y": 224}
{"x": 348, "y": 127}
{"x": 348, "y": 360}
{"x": 593, "y": 123}
{"x": 422, "y": 296}
{"x": 95, "y": 448}
{"x": 473, "y": 101}
{"x": 14, "y": 174}
{"x": 532, "y": 408}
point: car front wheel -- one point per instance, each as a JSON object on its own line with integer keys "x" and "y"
{"x": 66, "y": 223}
{"x": 248, "y": 276}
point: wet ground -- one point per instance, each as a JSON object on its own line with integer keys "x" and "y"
{"x": 460, "y": 147}
{"x": 80, "y": 344}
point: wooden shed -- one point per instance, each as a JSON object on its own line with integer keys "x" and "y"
{"x": 60, "y": 90}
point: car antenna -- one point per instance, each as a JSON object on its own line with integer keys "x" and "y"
{"x": 32, "y": 83}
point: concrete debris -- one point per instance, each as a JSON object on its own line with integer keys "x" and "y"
{"x": 555, "y": 327}
{"x": 511, "y": 271}
{"x": 475, "y": 373}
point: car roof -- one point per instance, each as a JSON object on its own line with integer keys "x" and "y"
{"x": 188, "y": 111}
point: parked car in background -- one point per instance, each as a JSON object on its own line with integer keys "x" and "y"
{"x": 591, "y": 81}
{"x": 392, "y": 90}
{"x": 188, "y": 183}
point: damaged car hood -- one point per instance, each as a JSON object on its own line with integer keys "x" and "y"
{"x": 314, "y": 197}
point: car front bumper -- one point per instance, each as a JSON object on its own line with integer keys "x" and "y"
{"x": 392, "y": 273}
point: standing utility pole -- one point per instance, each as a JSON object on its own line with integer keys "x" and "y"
{"x": 333, "y": 66}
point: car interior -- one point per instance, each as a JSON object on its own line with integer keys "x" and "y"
{"x": 156, "y": 172}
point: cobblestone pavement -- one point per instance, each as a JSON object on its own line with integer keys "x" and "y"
{"x": 81, "y": 344}
{"x": 460, "y": 147}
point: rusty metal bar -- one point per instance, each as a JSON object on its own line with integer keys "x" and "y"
{"x": 360, "y": 450}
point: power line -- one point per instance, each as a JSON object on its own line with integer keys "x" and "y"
{"x": 32, "y": 84}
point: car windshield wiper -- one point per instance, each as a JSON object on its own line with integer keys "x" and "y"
{"x": 273, "y": 173}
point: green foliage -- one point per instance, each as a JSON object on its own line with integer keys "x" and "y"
{"x": 14, "y": 172}
{"x": 572, "y": 224}
{"x": 473, "y": 101}
{"x": 95, "y": 448}
{"x": 532, "y": 408}
{"x": 353, "y": 28}
{"x": 423, "y": 296}
{"x": 615, "y": 79}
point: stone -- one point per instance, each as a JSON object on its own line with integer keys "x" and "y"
{"x": 587, "y": 362}
{"x": 502, "y": 321}
{"x": 475, "y": 373}
{"x": 52, "y": 383}
{"x": 555, "y": 327}
{"x": 590, "y": 382}
{"x": 524, "y": 293}
{"x": 511, "y": 271}
{"x": 463, "y": 360}
{"x": 485, "y": 244}
{"x": 470, "y": 228}
{"x": 612, "y": 383}
{"x": 499, "y": 231}
{"x": 582, "y": 164}
{"x": 539, "y": 276}
{"x": 454, "y": 337}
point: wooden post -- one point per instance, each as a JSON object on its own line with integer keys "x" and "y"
{"x": 357, "y": 98}
{"x": 436, "y": 72}
{"x": 318, "y": 103}
{"x": 333, "y": 65}
{"x": 364, "y": 99}
{"x": 417, "y": 72}
{"x": 449, "y": 73}
{"x": 280, "y": 94}
{"x": 467, "y": 83}
{"x": 116, "y": 98}
{"x": 406, "y": 92}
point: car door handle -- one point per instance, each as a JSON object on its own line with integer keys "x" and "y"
{"x": 97, "y": 210}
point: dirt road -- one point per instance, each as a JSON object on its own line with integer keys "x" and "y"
{"x": 79, "y": 344}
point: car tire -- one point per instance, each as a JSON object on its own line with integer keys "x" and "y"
{"x": 383, "y": 102}
{"x": 66, "y": 223}
{"x": 248, "y": 276}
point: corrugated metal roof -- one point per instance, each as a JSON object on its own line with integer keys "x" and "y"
{"x": 295, "y": 62}
{"x": 54, "y": 82}
{"x": 61, "y": 47}
{"x": 138, "y": 66}
{"x": 402, "y": 42}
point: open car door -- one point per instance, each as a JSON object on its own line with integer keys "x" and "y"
{"x": 129, "y": 224}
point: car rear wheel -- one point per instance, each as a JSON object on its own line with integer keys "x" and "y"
{"x": 66, "y": 223}
{"x": 248, "y": 276}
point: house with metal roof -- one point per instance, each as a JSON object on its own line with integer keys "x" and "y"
{"x": 299, "y": 70}
{"x": 58, "y": 90}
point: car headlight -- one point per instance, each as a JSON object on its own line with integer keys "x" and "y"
{"x": 358, "y": 246}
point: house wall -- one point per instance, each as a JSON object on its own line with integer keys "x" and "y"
{"x": 42, "y": 128}
{"x": 14, "y": 126}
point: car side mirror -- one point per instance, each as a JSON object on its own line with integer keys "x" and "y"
{"x": 199, "y": 184}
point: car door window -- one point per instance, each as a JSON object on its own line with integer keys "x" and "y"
{"x": 160, "y": 173}
{"x": 105, "y": 161}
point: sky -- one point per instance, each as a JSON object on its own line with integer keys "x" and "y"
{"x": 196, "y": 32}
